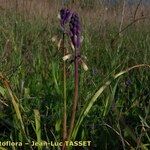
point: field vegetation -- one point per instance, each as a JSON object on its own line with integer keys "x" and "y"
{"x": 113, "y": 110}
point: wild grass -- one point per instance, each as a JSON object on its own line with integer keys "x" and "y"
{"x": 113, "y": 109}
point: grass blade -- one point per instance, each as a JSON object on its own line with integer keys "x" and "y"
{"x": 90, "y": 102}
{"x": 38, "y": 127}
{"x": 15, "y": 103}
{"x": 2, "y": 91}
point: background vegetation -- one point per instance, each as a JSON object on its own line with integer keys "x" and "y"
{"x": 116, "y": 37}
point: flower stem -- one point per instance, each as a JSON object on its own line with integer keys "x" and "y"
{"x": 75, "y": 99}
{"x": 64, "y": 96}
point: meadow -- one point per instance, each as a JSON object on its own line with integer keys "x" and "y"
{"x": 37, "y": 85}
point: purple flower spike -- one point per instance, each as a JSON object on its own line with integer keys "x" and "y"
{"x": 65, "y": 15}
{"x": 75, "y": 30}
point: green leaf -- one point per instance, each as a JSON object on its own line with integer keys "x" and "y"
{"x": 58, "y": 125}
{"x": 38, "y": 126}
{"x": 2, "y": 91}
{"x": 2, "y": 148}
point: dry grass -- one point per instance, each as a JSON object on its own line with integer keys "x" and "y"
{"x": 95, "y": 14}
{"x": 31, "y": 8}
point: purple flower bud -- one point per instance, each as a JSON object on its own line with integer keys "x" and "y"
{"x": 65, "y": 15}
{"x": 75, "y": 30}
{"x": 128, "y": 82}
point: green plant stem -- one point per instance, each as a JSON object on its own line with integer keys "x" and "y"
{"x": 75, "y": 99}
{"x": 64, "y": 96}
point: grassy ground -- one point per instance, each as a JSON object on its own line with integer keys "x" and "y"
{"x": 31, "y": 86}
